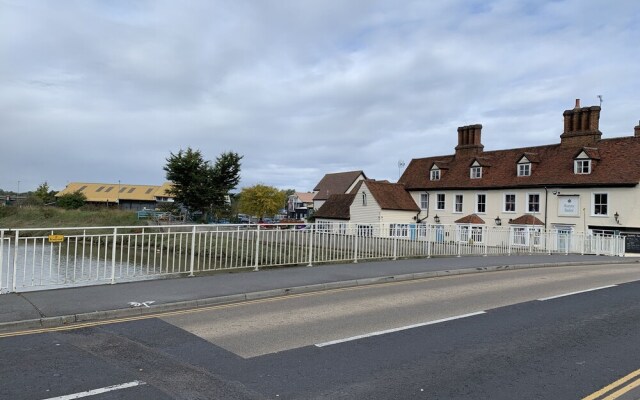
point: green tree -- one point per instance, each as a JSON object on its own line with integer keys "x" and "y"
{"x": 261, "y": 200}
{"x": 44, "y": 193}
{"x": 197, "y": 184}
{"x": 71, "y": 200}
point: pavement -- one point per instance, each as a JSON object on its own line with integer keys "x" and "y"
{"x": 60, "y": 307}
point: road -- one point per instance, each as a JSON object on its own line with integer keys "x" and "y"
{"x": 498, "y": 335}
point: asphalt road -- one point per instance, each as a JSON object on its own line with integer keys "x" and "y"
{"x": 510, "y": 345}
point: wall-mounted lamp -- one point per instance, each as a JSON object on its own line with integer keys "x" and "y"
{"x": 556, "y": 192}
{"x": 616, "y": 216}
{"x": 436, "y": 219}
{"x": 498, "y": 221}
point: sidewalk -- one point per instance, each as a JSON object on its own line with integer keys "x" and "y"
{"x": 50, "y": 308}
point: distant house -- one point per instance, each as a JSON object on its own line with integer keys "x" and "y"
{"x": 335, "y": 183}
{"x": 368, "y": 204}
{"x": 121, "y": 195}
{"x": 299, "y": 205}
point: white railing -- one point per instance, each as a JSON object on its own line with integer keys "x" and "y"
{"x": 31, "y": 259}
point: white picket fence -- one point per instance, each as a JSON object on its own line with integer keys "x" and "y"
{"x": 36, "y": 259}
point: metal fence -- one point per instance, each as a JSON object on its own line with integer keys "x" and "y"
{"x": 35, "y": 259}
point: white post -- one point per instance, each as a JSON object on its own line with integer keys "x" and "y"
{"x": 530, "y": 241}
{"x": 429, "y": 241}
{"x": 459, "y": 246}
{"x": 313, "y": 226}
{"x": 485, "y": 235}
{"x": 113, "y": 256}
{"x": 257, "y": 248}
{"x": 15, "y": 261}
{"x": 1, "y": 257}
{"x": 355, "y": 246}
{"x": 395, "y": 245}
{"x": 509, "y": 240}
{"x": 193, "y": 250}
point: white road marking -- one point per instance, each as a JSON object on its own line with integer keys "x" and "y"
{"x": 98, "y": 391}
{"x": 402, "y": 328}
{"x": 572, "y": 293}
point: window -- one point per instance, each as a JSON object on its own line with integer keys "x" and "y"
{"x": 365, "y": 230}
{"x": 600, "y": 204}
{"x": 399, "y": 230}
{"x": 435, "y": 174}
{"x": 475, "y": 172}
{"x": 100, "y": 189}
{"x": 122, "y": 190}
{"x": 82, "y": 188}
{"x": 523, "y": 235}
{"x": 131, "y": 190}
{"x": 424, "y": 201}
{"x": 469, "y": 233}
{"x": 582, "y": 167}
{"x": 110, "y": 188}
{"x": 524, "y": 169}
{"x": 533, "y": 202}
{"x": 481, "y": 203}
{"x": 440, "y": 200}
{"x": 457, "y": 203}
{"x": 364, "y": 199}
{"x": 509, "y": 202}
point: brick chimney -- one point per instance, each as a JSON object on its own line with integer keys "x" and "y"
{"x": 581, "y": 126}
{"x": 469, "y": 140}
{"x": 636, "y": 130}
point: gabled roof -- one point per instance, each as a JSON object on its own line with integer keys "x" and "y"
{"x": 470, "y": 219}
{"x": 619, "y": 165}
{"x": 336, "y": 183}
{"x": 526, "y": 219}
{"x": 591, "y": 152}
{"x": 531, "y": 157}
{"x": 305, "y": 197}
{"x": 389, "y": 196}
{"x": 336, "y": 207}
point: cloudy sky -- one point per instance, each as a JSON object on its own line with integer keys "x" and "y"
{"x": 101, "y": 91}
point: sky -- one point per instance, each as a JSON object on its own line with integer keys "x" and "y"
{"x": 104, "y": 91}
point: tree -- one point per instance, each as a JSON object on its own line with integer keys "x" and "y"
{"x": 44, "y": 193}
{"x": 261, "y": 200}
{"x": 197, "y": 184}
{"x": 71, "y": 201}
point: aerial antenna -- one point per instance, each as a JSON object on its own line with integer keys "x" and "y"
{"x": 600, "y": 97}
{"x": 401, "y": 165}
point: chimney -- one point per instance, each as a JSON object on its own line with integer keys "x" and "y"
{"x": 581, "y": 126}
{"x": 469, "y": 140}
{"x": 636, "y": 130}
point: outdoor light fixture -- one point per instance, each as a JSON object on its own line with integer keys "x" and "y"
{"x": 498, "y": 221}
{"x": 436, "y": 219}
{"x": 616, "y": 216}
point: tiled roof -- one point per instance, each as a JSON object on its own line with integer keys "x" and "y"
{"x": 336, "y": 183}
{"x": 617, "y": 164}
{"x": 305, "y": 197}
{"x": 390, "y": 196}
{"x": 526, "y": 219}
{"x": 336, "y": 207}
{"x": 112, "y": 192}
{"x": 470, "y": 219}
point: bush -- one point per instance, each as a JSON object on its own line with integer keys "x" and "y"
{"x": 71, "y": 201}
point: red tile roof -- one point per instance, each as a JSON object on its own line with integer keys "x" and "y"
{"x": 616, "y": 162}
{"x": 389, "y": 196}
{"x": 470, "y": 219}
{"x": 336, "y": 183}
{"x": 526, "y": 219}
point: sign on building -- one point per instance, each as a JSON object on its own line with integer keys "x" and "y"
{"x": 568, "y": 206}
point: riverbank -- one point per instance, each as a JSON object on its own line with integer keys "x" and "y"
{"x": 39, "y": 217}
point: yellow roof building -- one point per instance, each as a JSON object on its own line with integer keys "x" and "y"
{"x": 115, "y": 192}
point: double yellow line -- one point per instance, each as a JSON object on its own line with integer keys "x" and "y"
{"x": 617, "y": 388}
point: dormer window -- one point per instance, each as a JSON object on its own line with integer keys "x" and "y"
{"x": 524, "y": 169}
{"x": 582, "y": 167}
{"x": 475, "y": 172}
{"x": 435, "y": 174}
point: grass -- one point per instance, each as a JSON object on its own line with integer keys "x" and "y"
{"x": 48, "y": 217}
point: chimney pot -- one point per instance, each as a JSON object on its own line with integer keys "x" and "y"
{"x": 577, "y": 103}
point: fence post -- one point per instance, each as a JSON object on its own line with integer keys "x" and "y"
{"x": 355, "y": 246}
{"x": 1, "y": 256}
{"x": 15, "y": 261}
{"x": 313, "y": 226}
{"x": 257, "y": 248}
{"x": 113, "y": 256}
{"x": 395, "y": 247}
{"x": 193, "y": 250}
{"x": 530, "y": 232}
{"x": 459, "y": 246}
{"x": 509, "y": 240}
{"x": 584, "y": 240}
{"x": 485, "y": 235}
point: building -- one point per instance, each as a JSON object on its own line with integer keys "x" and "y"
{"x": 335, "y": 183}
{"x": 370, "y": 205}
{"x": 121, "y": 195}
{"x": 299, "y": 205}
{"x": 584, "y": 183}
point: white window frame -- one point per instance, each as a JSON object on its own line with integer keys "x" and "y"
{"x": 529, "y": 203}
{"x": 434, "y": 175}
{"x": 524, "y": 169}
{"x": 364, "y": 199}
{"x": 593, "y": 204}
{"x": 424, "y": 201}
{"x": 470, "y": 233}
{"x": 582, "y": 166}
{"x": 475, "y": 172}
{"x": 525, "y": 232}
{"x": 443, "y": 202}
{"x": 455, "y": 203}
{"x": 478, "y": 203}
{"x": 504, "y": 203}
{"x": 399, "y": 230}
